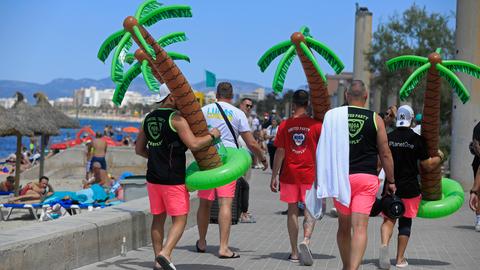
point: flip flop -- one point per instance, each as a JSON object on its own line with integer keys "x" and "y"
{"x": 234, "y": 256}
{"x": 199, "y": 250}
{"x": 305, "y": 254}
{"x": 165, "y": 263}
{"x": 293, "y": 260}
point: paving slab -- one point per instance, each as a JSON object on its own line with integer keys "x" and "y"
{"x": 447, "y": 243}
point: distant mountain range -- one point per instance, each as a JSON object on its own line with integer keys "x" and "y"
{"x": 65, "y": 87}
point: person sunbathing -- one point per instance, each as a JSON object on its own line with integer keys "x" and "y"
{"x": 34, "y": 192}
{"x": 8, "y": 184}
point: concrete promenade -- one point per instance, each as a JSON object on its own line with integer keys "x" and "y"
{"x": 448, "y": 243}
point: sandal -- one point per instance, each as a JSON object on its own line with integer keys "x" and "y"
{"x": 234, "y": 256}
{"x": 199, "y": 250}
{"x": 293, "y": 260}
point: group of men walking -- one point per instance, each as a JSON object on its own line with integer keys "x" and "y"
{"x": 296, "y": 170}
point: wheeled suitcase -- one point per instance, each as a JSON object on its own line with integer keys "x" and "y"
{"x": 236, "y": 207}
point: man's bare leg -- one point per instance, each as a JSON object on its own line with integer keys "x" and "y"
{"x": 401, "y": 247}
{"x": 292, "y": 226}
{"x": 157, "y": 232}
{"x": 203, "y": 219}
{"x": 344, "y": 238}
{"x": 224, "y": 224}
{"x": 174, "y": 235}
{"x": 359, "y": 239}
{"x": 386, "y": 233}
{"x": 308, "y": 226}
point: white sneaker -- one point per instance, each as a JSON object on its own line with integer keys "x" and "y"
{"x": 383, "y": 259}
{"x": 305, "y": 254}
{"x": 477, "y": 224}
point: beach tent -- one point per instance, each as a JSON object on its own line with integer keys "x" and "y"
{"x": 49, "y": 113}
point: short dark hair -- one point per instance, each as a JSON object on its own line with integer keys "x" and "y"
{"x": 246, "y": 98}
{"x": 98, "y": 134}
{"x": 357, "y": 90}
{"x": 43, "y": 177}
{"x": 300, "y": 98}
{"x": 225, "y": 90}
{"x": 10, "y": 179}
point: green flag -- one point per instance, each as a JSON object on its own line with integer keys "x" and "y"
{"x": 211, "y": 79}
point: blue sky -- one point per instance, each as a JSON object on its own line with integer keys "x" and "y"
{"x": 49, "y": 39}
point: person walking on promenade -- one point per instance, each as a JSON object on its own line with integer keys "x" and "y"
{"x": 246, "y": 105}
{"x": 408, "y": 149}
{"x": 163, "y": 139}
{"x": 231, "y": 122}
{"x": 270, "y": 134}
{"x": 352, "y": 139}
{"x": 296, "y": 143}
{"x": 99, "y": 153}
{"x": 474, "y": 200}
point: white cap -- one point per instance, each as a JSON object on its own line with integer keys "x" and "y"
{"x": 274, "y": 111}
{"x": 163, "y": 92}
{"x": 404, "y": 116}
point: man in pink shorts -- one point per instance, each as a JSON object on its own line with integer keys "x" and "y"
{"x": 163, "y": 140}
{"x": 408, "y": 148}
{"x": 231, "y": 122}
{"x": 367, "y": 142}
{"x": 296, "y": 143}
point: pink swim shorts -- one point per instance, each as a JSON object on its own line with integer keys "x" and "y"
{"x": 293, "y": 193}
{"x": 411, "y": 206}
{"x": 173, "y": 199}
{"x": 226, "y": 191}
{"x": 363, "y": 189}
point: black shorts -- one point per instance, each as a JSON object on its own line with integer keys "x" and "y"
{"x": 101, "y": 160}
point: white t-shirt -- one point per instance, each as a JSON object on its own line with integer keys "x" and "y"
{"x": 255, "y": 124}
{"x": 237, "y": 119}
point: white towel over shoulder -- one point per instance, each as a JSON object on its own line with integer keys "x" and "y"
{"x": 332, "y": 162}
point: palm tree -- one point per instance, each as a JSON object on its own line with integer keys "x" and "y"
{"x": 164, "y": 70}
{"x": 435, "y": 68}
{"x": 148, "y": 13}
{"x": 301, "y": 43}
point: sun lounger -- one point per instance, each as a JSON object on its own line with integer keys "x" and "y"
{"x": 32, "y": 208}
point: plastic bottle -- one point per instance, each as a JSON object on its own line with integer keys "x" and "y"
{"x": 123, "y": 249}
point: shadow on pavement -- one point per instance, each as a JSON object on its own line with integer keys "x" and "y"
{"x": 283, "y": 256}
{"x": 212, "y": 249}
{"x": 126, "y": 264}
{"x": 466, "y": 227}
{"x": 411, "y": 261}
{"x": 202, "y": 266}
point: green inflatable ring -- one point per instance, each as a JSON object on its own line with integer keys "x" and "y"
{"x": 452, "y": 200}
{"x": 236, "y": 162}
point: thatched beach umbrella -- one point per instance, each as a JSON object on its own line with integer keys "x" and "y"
{"x": 47, "y": 111}
{"x": 31, "y": 118}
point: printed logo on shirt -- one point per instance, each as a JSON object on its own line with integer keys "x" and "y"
{"x": 401, "y": 144}
{"x": 298, "y": 135}
{"x": 154, "y": 128}
{"x": 355, "y": 126}
{"x": 214, "y": 113}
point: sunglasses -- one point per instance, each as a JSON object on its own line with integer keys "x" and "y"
{"x": 249, "y": 106}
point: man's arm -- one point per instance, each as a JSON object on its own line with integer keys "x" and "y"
{"x": 277, "y": 164}
{"x": 431, "y": 163}
{"x": 141, "y": 144}
{"x": 475, "y": 192}
{"x": 254, "y": 147}
{"x": 385, "y": 154}
{"x": 188, "y": 138}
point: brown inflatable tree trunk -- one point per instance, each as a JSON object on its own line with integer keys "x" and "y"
{"x": 431, "y": 181}
{"x": 164, "y": 69}
{"x": 318, "y": 87}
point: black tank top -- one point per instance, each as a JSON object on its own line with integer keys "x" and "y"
{"x": 166, "y": 152}
{"x": 363, "y": 140}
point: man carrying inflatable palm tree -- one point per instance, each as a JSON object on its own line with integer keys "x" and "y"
{"x": 163, "y": 140}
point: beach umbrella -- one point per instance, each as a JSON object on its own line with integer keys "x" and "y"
{"x": 48, "y": 112}
{"x": 11, "y": 126}
{"x": 32, "y": 119}
{"x": 130, "y": 130}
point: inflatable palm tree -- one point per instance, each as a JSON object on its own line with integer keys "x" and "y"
{"x": 151, "y": 55}
{"x": 301, "y": 43}
{"x": 435, "y": 68}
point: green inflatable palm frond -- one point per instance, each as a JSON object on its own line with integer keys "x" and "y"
{"x": 454, "y": 82}
{"x": 109, "y": 44}
{"x": 413, "y": 81}
{"x": 166, "y": 12}
{"x": 148, "y": 77}
{"x": 178, "y": 56}
{"x": 119, "y": 57}
{"x": 147, "y": 7}
{"x": 129, "y": 58}
{"x": 305, "y": 31}
{"x": 273, "y": 53}
{"x": 282, "y": 68}
{"x": 122, "y": 87}
{"x": 312, "y": 59}
{"x": 332, "y": 59}
{"x": 404, "y": 61}
{"x": 462, "y": 66}
{"x": 171, "y": 38}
